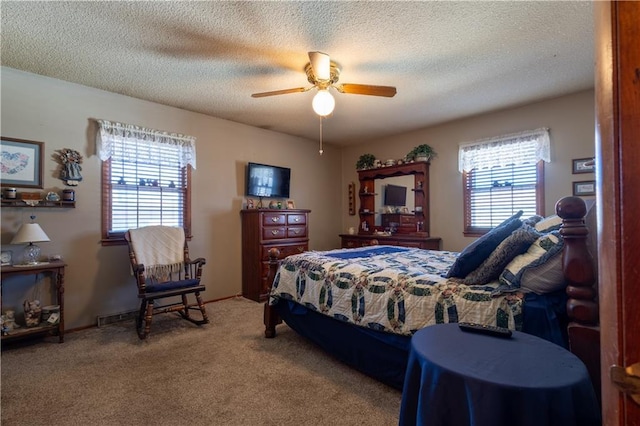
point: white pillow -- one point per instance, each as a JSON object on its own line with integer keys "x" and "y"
{"x": 539, "y": 269}
{"x": 549, "y": 223}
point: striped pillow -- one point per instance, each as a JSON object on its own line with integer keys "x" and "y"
{"x": 539, "y": 269}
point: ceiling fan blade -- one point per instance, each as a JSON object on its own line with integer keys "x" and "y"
{"x": 279, "y": 92}
{"x": 366, "y": 89}
{"x": 321, "y": 64}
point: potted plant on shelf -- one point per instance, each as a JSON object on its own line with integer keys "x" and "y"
{"x": 421, "y": 153}
{"x": 366, "y": 161}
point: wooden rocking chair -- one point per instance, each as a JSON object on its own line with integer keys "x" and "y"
{"x": 160, "y": 260}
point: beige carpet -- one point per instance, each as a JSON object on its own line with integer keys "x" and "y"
{"x": 223, "y": 373}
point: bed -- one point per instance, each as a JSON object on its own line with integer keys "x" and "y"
{"x": 362, "y": 305}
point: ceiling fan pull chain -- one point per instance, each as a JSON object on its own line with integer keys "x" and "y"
{"x": 321, "y": 150}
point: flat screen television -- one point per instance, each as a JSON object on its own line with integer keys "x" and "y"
{"x": 395, "y": 195}
{"x": 264, "y": 180}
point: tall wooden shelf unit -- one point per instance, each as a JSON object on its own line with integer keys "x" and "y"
{"x": 264, "y": 229}
{"x": 366, "y": 229}
{"x": 420, "y": 171}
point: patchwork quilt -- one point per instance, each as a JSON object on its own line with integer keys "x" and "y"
{"x": 393, "y": 289}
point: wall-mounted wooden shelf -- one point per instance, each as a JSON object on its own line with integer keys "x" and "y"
{"x": 42, "y": 203}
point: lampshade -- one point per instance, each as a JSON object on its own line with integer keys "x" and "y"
{"x": 30, "y": 233}
{"x": 323, "y": 103}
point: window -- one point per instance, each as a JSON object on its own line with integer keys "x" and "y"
{"x": 501, "y": 176}
{"x": 146, "y": 179}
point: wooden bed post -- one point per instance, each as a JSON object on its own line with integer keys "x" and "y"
{"x": 271, "y": 317}
{"x": 582, "y": 307}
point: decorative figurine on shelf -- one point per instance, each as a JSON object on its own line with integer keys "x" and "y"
{"x": 70, "y": 160}
{"x": 52, "y": 196}
{"x": 32, "y": 312}
{"x": 9, "y": 320}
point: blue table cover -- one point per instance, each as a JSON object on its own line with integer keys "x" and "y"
{"x": 460, "y": 378}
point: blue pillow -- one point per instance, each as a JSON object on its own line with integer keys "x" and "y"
{"x": 475, "y": 253}
{"x": 515, "y": 244}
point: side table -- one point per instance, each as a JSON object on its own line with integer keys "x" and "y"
{"x": 461, "y": 378}
{"x": 56, "y": 270}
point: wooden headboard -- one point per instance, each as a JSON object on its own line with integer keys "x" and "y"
{"x": 579, "y": 271}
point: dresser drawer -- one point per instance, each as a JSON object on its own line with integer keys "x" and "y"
{"x": 360, "y": 242}
{"x": 285, "y": 251}
{"x": 296, "y": 219}
{"x": 350, "y": 243}
{"x": 296, "y": 231}
{"x": 274, "y": 232}
{"x": 274, "y": 218}
{"x": 412, "y": 244}
{"x": 407, "y": 220}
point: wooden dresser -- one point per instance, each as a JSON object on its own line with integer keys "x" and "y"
{"x": 262, "y": 230}
{"x": 405, "y": 240}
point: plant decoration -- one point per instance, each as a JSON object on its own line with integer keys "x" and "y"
{"x": 366, "y": 161}
{"x": 423, "y": 150}
{"x": 70, "y": 160}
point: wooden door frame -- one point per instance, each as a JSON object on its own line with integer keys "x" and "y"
{"x": 617, "y": 85}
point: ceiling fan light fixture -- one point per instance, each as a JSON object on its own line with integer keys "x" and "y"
{"x": 323, "y": 103}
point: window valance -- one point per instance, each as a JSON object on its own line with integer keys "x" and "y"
{"x": 512, "y": 149}
{"x": 141, "y": 144}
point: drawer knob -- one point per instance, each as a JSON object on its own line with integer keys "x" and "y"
{"x": 297, "y": 219}
{"x": 274, "y": 219}
{"x": 296, "y": 231}
{"x": 300, "y": 249}
{"x": 275, "y": 232}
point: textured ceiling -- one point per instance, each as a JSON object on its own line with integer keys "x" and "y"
{"x": 447, "y": 59}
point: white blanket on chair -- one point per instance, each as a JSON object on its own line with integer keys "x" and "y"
{"x": 159, "y": 248}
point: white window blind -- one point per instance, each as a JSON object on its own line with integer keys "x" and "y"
{"x": 146, "y": 179}
{"x": 495, "y": 194}
{"x": 501, "y": 176}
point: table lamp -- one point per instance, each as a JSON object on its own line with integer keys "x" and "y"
{"x": 30, "y": 233}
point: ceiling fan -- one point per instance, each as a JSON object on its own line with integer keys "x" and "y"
{"x": 323, "y": 73}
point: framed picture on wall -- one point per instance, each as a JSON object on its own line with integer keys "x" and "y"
{"x": 21, "y": 162}
{"x": 584, "y": 165}
{"x": 583, "y": 188}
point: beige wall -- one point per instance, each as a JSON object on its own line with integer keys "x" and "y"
{"x": 571, "y": 123}
{"x": 97, "y": 281}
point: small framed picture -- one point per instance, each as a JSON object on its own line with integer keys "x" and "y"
{"x": 291, "y": 204}
{"x": 584, "y": 188}
{"x": 584, "y": 165}
{"x": 250, "y": 203}
{"x": 21, "y": 162}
